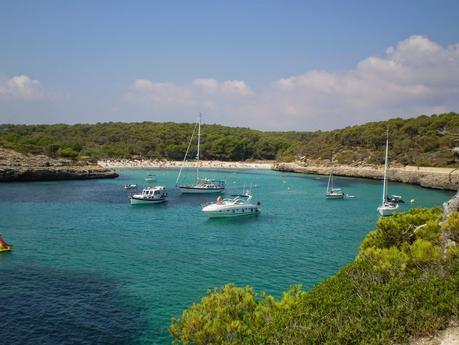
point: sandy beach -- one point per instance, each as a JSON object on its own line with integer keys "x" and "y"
{"x": 125, "y": 163}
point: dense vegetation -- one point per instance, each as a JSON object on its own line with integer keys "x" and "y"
{"x": 425, "y": 140}
{"x": 402, "y": 283}
{"x": 145, "y": 140}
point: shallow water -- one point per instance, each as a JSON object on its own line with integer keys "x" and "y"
{"x": 89, "y": 268}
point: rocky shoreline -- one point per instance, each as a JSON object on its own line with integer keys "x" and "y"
{"x": 17, "y": 167}
{"x": 429, "y": 177}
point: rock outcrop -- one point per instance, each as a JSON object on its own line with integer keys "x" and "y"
{"x": 15, "y": 166}
{"x": 439, "y": 178}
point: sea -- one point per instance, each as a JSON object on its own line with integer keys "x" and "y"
{"x": 89, "y": 268}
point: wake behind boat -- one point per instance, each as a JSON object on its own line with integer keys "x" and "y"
{"x": 200, "y": 185}
{"x": 239, "y": 205}
{"x": 150, "y": 195}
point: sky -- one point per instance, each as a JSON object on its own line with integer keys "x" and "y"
{"x": 269, "y": 65}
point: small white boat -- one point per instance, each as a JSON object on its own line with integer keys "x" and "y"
{"x": 333, "y": 193}
{"x": 238, "y": 206}
{"x": 130, "y": 186}
{"x": 150, "y": 178}
{"x": 387, "y": 207}
{"x": 150, "y": 195}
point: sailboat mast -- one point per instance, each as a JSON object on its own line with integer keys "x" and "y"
{"x": 186, "y": 155}
{"x": 385, "y": 169}
{"x": 199, "y": 143}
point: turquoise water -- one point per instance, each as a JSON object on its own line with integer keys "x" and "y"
{"x": 89, "y": 268}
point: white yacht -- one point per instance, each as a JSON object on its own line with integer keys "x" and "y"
{"x": 239, "y": 205}
{"x": 200, "y": 185}
{"x": 332, "y": 192}
{"x": 386, "y": 208}
{"x": 149, "y": 195}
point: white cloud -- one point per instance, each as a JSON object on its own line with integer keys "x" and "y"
{"x": 416, "y": 76}
{"x": 21, "y": 87}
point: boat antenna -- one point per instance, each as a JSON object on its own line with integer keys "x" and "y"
{"x": 186, "y": 154}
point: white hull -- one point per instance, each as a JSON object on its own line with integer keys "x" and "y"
{"x": 185, "y": 190}
{"x": 228, "y": 213}
{"x": 386, "y": 211}
{"x": 334, "y": 196}
{"x": 145, "y": 201}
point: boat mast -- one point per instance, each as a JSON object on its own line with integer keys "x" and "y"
{"x": 199, "y": 142}
{"x": 328, "y": 185}
{"x": 186, "y": 155}
{"x": 385, "y": 169}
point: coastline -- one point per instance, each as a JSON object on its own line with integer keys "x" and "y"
{"x": 18, "y": 167}
{"x": 428, "y": 177}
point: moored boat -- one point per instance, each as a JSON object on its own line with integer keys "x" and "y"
{"x": 200, "y": 185}
{"x": 149, "y": 195}
{"x": 332, "y": 192}
{"x": 130, "y": 186}
{"x": 239, "y": 205}
{"x": 150, "y": 178}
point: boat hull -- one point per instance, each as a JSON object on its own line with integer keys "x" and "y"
{"x": 386, "y": 211}
{"x": 6, "y": 249}
{"x": 334, "y": 196}
{"x": 192, "y": 190}
{"x": 230, "y": 214}
{"x": 219, "y": 211}
{"x": 140, "y": 201}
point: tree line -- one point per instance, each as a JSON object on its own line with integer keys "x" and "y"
{"x": 424, "y": 140}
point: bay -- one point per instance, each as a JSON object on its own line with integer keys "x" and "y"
{"x": 89, "y": 268}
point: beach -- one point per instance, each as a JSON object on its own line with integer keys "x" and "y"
{"x": 158, "y": 164}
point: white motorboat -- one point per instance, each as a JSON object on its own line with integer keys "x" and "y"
{"x": 130, "y": 186}
{"x": 238, "y": 206}
{"x": 387, "y": 207}
{"x": 332, "y": 192}
{"x": 200, "y": 185}
{"x": 149, "y": 195}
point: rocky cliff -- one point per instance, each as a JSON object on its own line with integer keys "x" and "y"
{"x": 439, "y": 178}
{"x": 15, "y": 166}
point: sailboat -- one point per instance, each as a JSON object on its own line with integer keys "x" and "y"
{"x": 386, "y": 208}
{"x": 333, "y": 193}
{"x": 200, "y": 185}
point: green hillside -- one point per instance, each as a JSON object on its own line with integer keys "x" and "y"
{"x": 425, "y": 140}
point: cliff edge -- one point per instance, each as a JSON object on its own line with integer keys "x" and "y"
{"x": 15, "y": 166}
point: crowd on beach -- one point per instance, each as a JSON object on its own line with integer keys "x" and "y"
{"x": 126, "y": 163}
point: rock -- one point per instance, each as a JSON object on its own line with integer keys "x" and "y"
{"x": 429, "y": 177}
{"x": 15, "y": 166}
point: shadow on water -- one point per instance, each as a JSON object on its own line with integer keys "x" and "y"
{"x": 58, "y": 307}
{"x": 233, "y": 220}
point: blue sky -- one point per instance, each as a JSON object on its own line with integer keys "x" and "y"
{"x": 88, "y": 61}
